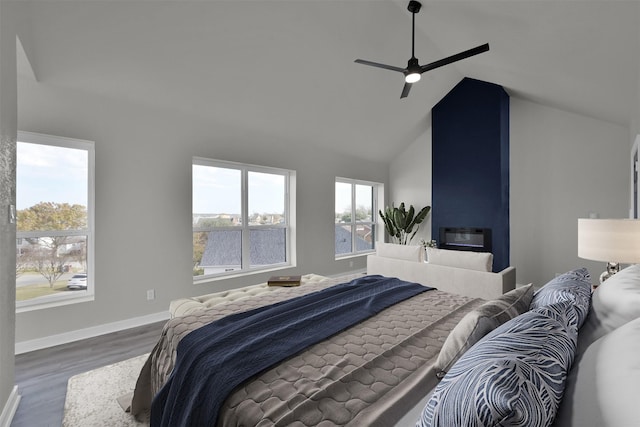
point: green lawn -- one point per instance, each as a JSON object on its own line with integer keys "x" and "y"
{"x": 33, "y": 291}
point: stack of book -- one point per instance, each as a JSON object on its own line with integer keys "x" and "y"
{"x": 284, "y": 281}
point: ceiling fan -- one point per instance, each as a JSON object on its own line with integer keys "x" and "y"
{"x": 414, "y": 70}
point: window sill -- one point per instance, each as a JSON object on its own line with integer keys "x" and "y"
{"x": 53, "y": 301}
{"x": 234, "y": 275}
{"x": 358, "y": 255}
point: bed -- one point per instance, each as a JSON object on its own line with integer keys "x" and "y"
{"x": 372, "y": 373}
{"x": 528, "y": 357}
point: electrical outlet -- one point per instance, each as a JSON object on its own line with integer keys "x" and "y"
{"x": 350, "y": 263}
{"x": 151, "y": 294}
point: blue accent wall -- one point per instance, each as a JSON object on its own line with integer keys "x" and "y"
{"x": 470, "y": 144}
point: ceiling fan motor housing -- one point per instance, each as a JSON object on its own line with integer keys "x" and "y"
{"x": 413, "y": 67}
{"x": 414, "y": 6}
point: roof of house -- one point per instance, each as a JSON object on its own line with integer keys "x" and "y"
{"x": 343, "y": 241}
{"x": 223, "y": 247}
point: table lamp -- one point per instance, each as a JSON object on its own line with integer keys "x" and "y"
{"x": 614, "y": 241}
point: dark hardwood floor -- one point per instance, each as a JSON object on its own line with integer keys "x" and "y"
{"x": 42, "y": 375}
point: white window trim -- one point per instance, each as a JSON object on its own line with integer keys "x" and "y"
{"x": 289, "y": 202}
{"x": 377, "y": 189}
{"x": 76, "y": 296}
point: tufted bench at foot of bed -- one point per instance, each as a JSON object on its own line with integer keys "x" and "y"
{"x": 184, "y": 306}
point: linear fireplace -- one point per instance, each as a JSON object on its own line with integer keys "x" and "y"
{"x": 465, "y": 239}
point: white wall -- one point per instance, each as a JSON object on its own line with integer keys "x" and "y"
{"x": 563, "y": 166}
{"x": 634, "y": 122}
{"x": 8, "y": 111}
{"x": 143, "y": 193}
{"x": 143, "y": 200}
{"x": 410, "y": 179}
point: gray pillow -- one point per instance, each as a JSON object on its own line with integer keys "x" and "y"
{"x": 614, "y": 303}
{"x": 603, "y": 387}
{"x": 479, "y": 322}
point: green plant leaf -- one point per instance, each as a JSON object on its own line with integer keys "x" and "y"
{"x": 401, "y": 224}
{"x": 422, "y": 214}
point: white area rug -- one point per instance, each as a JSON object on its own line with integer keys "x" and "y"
{"x": 92, "y": 397}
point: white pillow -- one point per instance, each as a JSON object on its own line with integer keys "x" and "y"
{"x": 614, "y": 303}
{"x": 406, "y": 252}
{"x": 603, "y": 387}
{"x": 481, "y": 261}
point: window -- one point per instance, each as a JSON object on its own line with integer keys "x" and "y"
{"x": 355, "y": 221}
{"x": 54, "y": 204}
{"x": 242, "y": 218}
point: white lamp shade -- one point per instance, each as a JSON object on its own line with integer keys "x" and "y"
{"x": 609, "y": 240}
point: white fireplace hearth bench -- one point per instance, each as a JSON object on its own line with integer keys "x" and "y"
{"x": 460, "y": 272}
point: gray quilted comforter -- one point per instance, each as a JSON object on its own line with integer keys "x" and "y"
{"x": 369, "y": 374}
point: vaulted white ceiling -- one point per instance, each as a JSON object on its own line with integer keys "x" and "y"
{"x": 286, "y": 67}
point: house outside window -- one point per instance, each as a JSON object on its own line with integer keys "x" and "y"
{"x": 356, "y": 207}
{"x": 55, "y": 221}
{"x": 242, "y": 218}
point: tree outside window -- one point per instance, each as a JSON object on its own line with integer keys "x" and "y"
{"x": 54, "y": 233}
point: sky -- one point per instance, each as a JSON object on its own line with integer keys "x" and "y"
{"x": 47, "y": 173}
{"x": 218, "y": 190}
{"x": 343, "y": 196}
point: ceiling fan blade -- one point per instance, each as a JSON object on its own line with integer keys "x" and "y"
{"x": 456, "y": 57}
{"x": 385, "y": 66}
{"x": 405, "y": 90}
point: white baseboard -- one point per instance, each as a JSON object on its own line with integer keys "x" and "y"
{"x": 10, "y": 408}
{"x": 94, "y": 331}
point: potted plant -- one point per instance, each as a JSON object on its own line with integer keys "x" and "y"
{"x": 401, "y": 224}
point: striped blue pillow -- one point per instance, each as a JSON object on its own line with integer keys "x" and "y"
{"x": 514, "y": 376}
{"x": 574, "y": 286}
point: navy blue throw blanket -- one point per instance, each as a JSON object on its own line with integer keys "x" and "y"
{"x": 213, "y": 360}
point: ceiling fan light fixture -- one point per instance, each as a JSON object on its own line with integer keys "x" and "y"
{"x": 412, "y": 77}
{"x": 413, "y": 71}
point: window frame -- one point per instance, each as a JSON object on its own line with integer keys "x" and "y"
{"x": 246, "y": 228}
{"x": 377, "y": 190}
{"x": 75, "y": 297}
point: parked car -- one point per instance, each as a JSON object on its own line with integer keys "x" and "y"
{"x": 78, "y": 281}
